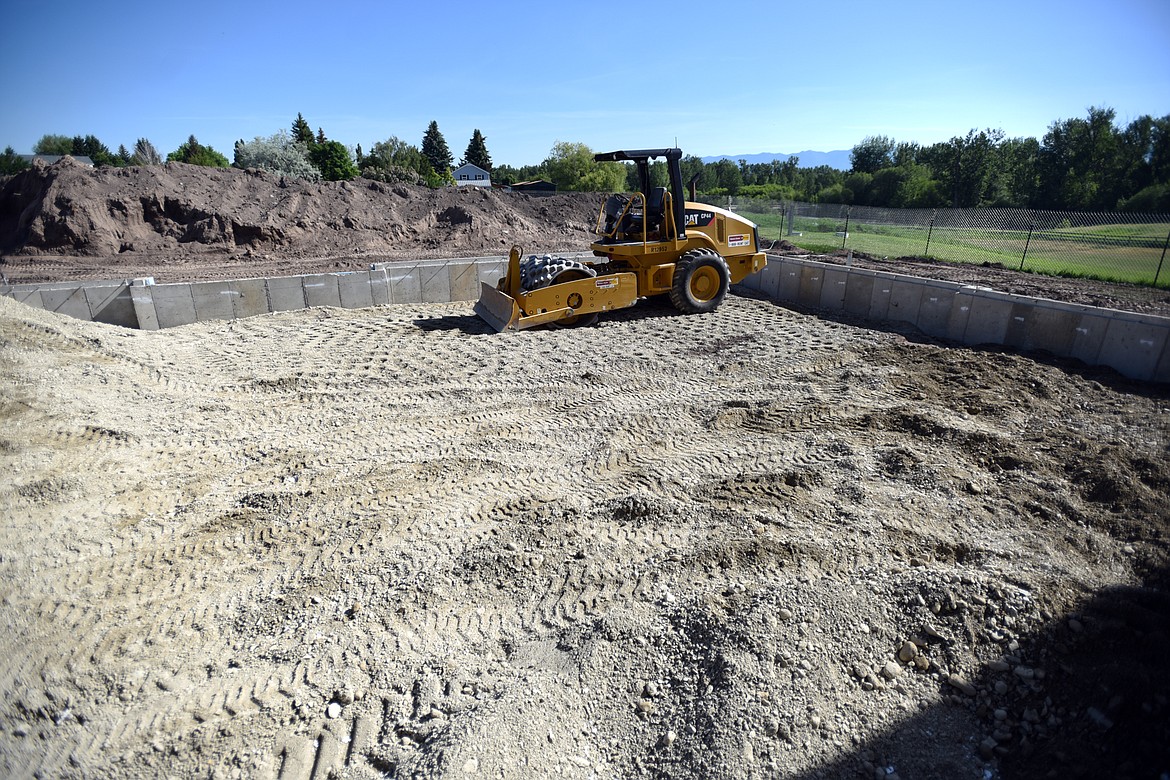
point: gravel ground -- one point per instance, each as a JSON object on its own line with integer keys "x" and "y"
{"x": 754, "y": 543}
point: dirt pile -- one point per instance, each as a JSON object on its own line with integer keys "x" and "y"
{"x": 392, "y": 543}
{"x": 182, "y": 222}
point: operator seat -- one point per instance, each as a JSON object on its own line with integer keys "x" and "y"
{"x": 655, "y": 208}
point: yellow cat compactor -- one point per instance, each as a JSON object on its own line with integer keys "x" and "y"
{"x": 651, "y": 242}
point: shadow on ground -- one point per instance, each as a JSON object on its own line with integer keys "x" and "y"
{"x": 1086, "y": 695}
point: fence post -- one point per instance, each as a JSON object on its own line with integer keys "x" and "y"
{"x": 929, "y": 231}
{"x": 845, "y": 235}
{"x": 783, "y": 214}
{"x": 1161, "y": 259}
{"x": 1027, "y": 243}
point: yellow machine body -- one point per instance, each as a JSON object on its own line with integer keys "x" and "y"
{"x": 652, "y": 242}
{"x": 508, "y": 306}
{"x": 653, "y": 255}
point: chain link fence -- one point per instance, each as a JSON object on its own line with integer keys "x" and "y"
{"x": 1112, "y": 246}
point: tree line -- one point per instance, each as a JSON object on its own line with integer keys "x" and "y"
{"x": 297, "y": 152}
{"x": 1083, "y": 164}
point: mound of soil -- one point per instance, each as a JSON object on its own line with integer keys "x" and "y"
{"x": 180, "y": 222}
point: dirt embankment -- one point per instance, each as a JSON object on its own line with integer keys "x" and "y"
{"x": 181, "y": 222}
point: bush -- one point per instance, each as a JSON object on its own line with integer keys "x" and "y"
{"x": 836, "y": 193}
{"x": 279, "y": 154}
{"x": 768, "y": 191}
{"x": 1154, "y": 199}
{"x": 194, "y": 153}
{"x": 392, "y": 174}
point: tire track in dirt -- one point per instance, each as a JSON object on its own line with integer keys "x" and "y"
{"x": 567, "y": 598}
{"x": 394, "y": 510}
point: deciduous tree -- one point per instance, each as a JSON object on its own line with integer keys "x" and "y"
{"x": 872, "y": 154}
{"x": 278, "y": 153}
{"x": 728, "y": 176}
{"x": 54, "y": 144}
{"x": 395, "y": 160}
{"x": 1078, "y": 162}
{"x": 571, "y": 167}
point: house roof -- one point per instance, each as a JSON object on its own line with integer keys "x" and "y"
{"x": 473, "y": 166}
{"x": 52, "y": 158}
{"x": 539, "y": 185}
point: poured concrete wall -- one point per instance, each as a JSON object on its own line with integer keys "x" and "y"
{"x": 149, "y": 306}
{"x": 110, "y": 302}
{"x": 1136, "y": 345}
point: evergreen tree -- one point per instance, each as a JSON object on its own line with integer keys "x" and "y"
{"x": 95, "y": 150}
{"x": 11, "y": 162}
{"x": 434, "y": 148}
{"x": 321, "y": 135}
{"x": 301, "y": 131}
{"x": 477, "y": 153}
{"x": 124, "y": 155}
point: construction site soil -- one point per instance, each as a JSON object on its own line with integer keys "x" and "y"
{"x": 389, "y": 542}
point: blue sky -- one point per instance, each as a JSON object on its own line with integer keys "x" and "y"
{"x": 726, "y": 77}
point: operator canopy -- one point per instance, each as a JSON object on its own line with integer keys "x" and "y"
{"x": 638, "y": 155}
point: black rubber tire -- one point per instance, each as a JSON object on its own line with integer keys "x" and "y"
{"x": 700, "y": 283}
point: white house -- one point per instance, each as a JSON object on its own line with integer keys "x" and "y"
{"x": 468, "y": 175}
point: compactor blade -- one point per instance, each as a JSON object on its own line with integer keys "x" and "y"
{"x": 497, "y": 309}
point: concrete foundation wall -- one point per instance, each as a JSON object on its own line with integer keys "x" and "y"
{"x": 1136, "y": 345}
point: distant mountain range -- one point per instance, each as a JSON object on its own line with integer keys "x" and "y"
{"x": 838, "y": 159}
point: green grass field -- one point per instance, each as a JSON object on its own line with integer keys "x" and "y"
{"x": 1121, "y": 253}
